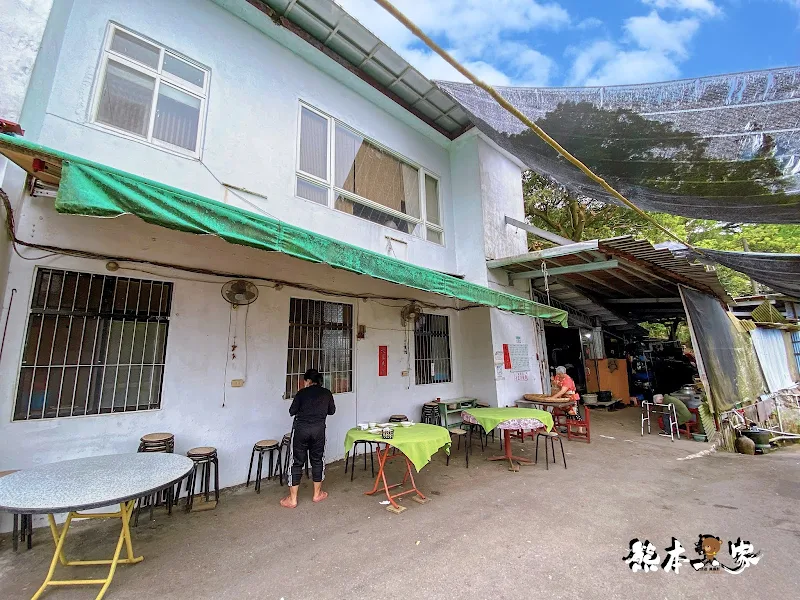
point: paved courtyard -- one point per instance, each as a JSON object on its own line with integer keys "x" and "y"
{"x": 486, "y": 533}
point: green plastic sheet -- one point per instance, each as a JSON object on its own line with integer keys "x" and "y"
{"x": 489, "y": 418}
{"x": 94, "y": 190}
{"x": 418, "y": 442}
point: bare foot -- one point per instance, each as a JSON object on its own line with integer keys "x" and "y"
{"x": 287, "y": 502}
{"x": 321, "y": 497}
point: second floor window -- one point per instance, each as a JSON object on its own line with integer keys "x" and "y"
{"x": 151, "y": 93}
{"x": 338, "y": 167}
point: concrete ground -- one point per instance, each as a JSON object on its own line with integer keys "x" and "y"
{"x": 486, "y": 533}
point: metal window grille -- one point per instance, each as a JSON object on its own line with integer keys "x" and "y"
{"x": 320, "y": 337}
{"x": 95, "y": 344}
{"x": 432, "y": 349}
{"x": 796, "y": 347}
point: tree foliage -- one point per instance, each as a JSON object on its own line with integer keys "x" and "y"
{"x": 630, "y": 150}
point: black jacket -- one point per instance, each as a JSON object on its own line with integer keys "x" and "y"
{"x": 312, "y": 405}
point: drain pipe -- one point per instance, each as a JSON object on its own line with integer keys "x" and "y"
{"x": 8, "y": 315}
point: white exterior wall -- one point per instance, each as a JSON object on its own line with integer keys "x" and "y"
{"x": 250, "y": 140}
{"x": 196, "y": 379}
{"x": 22, "y": 25}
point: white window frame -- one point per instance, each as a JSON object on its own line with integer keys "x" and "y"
{"x": 159, "y": 75}
{"x": 420, "y": 223}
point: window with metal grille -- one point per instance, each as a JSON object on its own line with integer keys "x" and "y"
{"x": 320, "y": 337}
{"x": 95, "y": 344}
{"x": 432, "y": 349}
{"x": 796, "y": 347}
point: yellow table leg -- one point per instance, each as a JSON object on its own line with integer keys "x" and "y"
{"x": 124, "y": 514}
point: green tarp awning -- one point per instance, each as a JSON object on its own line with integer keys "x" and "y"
{"x": 90, "y": 189}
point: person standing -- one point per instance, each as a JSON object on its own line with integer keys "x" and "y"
{"x": 310, "y": 408}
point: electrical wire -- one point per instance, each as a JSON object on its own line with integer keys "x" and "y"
{"x": 227, "y": 359}
{"x": 391, "y": 9}
{"x": 246, "y": 353}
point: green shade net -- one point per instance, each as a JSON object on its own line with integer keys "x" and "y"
{"x": 730, "y": 361}
{"x": 724, "y": 147}
{"x": 90, "y": 189}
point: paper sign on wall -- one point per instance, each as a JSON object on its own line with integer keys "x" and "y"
{"x": 383, "y": 361}
{"x": 518, "y": 359}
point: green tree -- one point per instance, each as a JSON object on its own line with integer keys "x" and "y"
{"x": 632, "y": 152}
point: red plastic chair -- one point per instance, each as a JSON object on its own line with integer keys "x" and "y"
{"x": 574, "y": 425}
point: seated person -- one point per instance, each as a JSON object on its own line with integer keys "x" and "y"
{"x": 682, "y": 412}
{"x": 563, "y": 387}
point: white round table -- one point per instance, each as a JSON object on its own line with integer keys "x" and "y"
{"x": 85, "y": 483}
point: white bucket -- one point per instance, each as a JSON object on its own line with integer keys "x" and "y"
{"x": 590, "y": 399}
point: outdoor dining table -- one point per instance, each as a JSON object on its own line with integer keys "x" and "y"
{"x": 415, "y": 445}
{"x": 71, "y": 486}
{"x": 508, "y": 420}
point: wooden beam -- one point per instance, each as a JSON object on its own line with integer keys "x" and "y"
{"x": 542, "y": 254}
{"x": 582, "y": 268}
{"x": 643, "y": 300}
{"x": 538, "y": 232}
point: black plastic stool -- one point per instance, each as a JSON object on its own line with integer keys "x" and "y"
{"x": 551, "y": 436}
{"x": 261, "y": 447}
{"x": 368, "y": 447}
{"x": 205, "y": 457}
{"x": 286, "y": 442}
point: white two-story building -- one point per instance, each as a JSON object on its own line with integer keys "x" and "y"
{"x": 171, "y": 146}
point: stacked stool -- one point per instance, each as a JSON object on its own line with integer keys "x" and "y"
{"x": 397, "y": 418}
{"x": 157, "y": 442}
{"x": 23, "y": 525}
{"x": 430, "y": 414}
{"x": 204, "y": 458}
{"x": 262, "y": 447}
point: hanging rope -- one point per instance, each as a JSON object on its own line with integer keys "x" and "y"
{"x": 524, "y": 119}
{"x": 546, "y": 282}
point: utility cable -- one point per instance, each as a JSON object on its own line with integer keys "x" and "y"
{"x": 391, "y": 9}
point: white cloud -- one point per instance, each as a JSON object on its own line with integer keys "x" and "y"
{"x": 472, "y": 30}
{"x": 587, "y": 60}
{"x": 704, "y": 7}
{"x": 652, "y": 50}
{"x": 634, "y": 66}
{"x": 592, "y": 22}
{"x": 651, "y": 32}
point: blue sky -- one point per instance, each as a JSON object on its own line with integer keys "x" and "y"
{"x": 592, "y": 42}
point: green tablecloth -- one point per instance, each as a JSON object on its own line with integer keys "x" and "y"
{"x": 418, "y": 442}
{"x": 489, "y": 418}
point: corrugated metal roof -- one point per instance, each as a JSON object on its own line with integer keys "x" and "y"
{"x": 333, "y": 30}
{"x": 698, "y": 275}
{"x": 643, "y": 286}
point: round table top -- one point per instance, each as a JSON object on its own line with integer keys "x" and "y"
{"x": 92, "y": 482}
{"x": 546, "y": 401}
